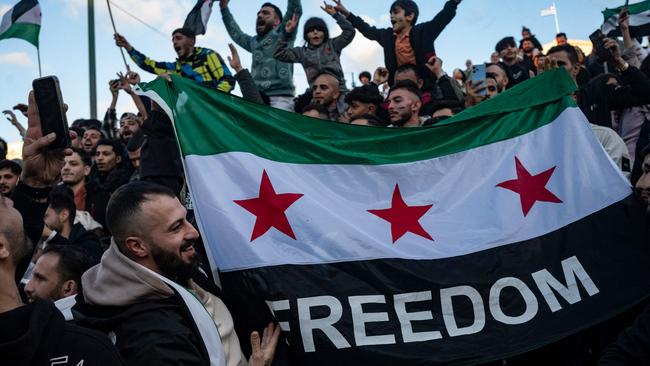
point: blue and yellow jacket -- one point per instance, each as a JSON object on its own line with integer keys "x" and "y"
{"x": 203, "y": 65}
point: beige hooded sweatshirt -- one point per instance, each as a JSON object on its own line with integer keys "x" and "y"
{"x": 119, "y": 281}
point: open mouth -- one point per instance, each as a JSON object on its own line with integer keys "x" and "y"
{"x": 260, "y": 23}
{"x": 187, "y": 248}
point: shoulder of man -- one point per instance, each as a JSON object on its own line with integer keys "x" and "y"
{"x": 87, "y": 346}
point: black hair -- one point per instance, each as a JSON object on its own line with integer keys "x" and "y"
{"x": 117, "y": 146}
{"x": 372, "y": 119}
{"x": 83, "y": 155}
{"x": 561, "y": 34}
{"x": 276, "y": 10}
{"x": 11, "y": 165}
{"x": 73, "y": 262}
{"x": 321, "y": 109}
{"x": 125, "y": 205}
{"x": 409, "y": 7}
{"x": 184, "y": 31}
{"x": 315, "y": 23}
{"x": 504, "y": 43}
{"x": 3, "y": 149}
{"x": 525, "y": 29}
{"x": 80, "y": 131}
{"x": 62, "y": 198}
{"x": 365, "y": 74}
{"x": 407, "y": 85}
{"x": 409, "y": 67}
{"x": 500, "y": 65}
{"x": 645, "y": 152}
{"x": 571, "y": 52}
{"x": 365, "y": 94}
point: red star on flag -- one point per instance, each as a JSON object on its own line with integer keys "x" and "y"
{"x": 269, "y": 209}
{"x": 531, "y": 188}
{"x": 402, "y": 217}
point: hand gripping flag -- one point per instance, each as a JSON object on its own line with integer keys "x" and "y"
{"x": 197, "y": 19}
{"x": 22, "y": 21}
{"x": 639, "y": 20}
{"x": 498, "y": 231}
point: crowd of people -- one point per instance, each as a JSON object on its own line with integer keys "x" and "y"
{"x": 97, "y": 239}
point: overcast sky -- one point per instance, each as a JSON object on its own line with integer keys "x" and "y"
{"x": 478, "y": 25}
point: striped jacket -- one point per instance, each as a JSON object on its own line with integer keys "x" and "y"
{"x": 203, "y": 65}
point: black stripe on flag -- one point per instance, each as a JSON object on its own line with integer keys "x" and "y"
{"x": 635, "y": 31}
{"x": 21, "y": 8}
{"x": 194, "y": 20}
{"x": 469, "y": 309}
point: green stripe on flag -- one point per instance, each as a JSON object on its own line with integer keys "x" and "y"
{"x": 632, "y": 9}
{"x": 209, "y": 122}
{"x": 27, "y": 31}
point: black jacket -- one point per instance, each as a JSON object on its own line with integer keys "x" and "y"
{"x": 632, "y": 346}
{"x": 422, "y": 37}
{"x": 96, "y": 201}
{"x": 36, "y": 334}
{"x": 148, "y": 333}
{"x": 82, "y": 238}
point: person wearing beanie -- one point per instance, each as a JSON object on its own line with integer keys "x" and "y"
{"x": 320, "y": 52}
{"x": 200, "y": 64}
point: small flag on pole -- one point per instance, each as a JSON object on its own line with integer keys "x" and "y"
{"x": 22, "y": 21}
{"x": 197, "y": 19}
{"x": 552, "y": 10}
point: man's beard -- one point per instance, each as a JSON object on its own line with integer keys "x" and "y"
{"x": 173, "y": 267}
{"x": 267, "y": 28}
{"x": 403, "y": 119}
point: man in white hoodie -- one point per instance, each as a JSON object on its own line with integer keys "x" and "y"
{"x": 142, "y": 295}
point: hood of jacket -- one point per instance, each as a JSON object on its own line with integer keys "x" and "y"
{"x": 119, "y": 281}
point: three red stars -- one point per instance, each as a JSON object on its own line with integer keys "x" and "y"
{"x": 269, "y": 209}
{"x": 402, "y": 217}
{"x": 531, "y": 188}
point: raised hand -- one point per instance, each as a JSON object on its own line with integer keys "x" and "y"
{"x": 123, "y": 83}
{"x": 341, "y": 8}
{"x": 264, "y": 351}
{"x": 380, "y": 76}
{"x": 234, "y": 60}
{"x": 114, "y": 87}
{"x": 41, "y": 166}
{"x": 329, "y": 9}
{"x": 292, "y": 23}
{"x": 434, "y": 64}
{"x": 14, "y": 121}
{"x": 133, "y": 78}
{"x": 120, "y": 41}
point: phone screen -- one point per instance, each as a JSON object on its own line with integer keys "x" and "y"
{"x": 50, "y": 108}
{"x": 478, "y": 75}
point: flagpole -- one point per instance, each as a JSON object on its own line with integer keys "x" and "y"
{"x": 38, "y": 56}
{"x": 557, "y": 22}
{"x": 110, "y": 14}
{"x": 92, "y": 75}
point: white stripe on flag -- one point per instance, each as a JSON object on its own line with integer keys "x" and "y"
{"x": 6, "y": 21}
{"x": 33, "y": 16}
{"x": 469, "y": 213}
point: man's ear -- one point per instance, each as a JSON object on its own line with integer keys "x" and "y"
{"x": 86, "y": 171}
{"x": 118, "y": 159}
{"x": 420, "y": 83}
{"x": 575, "y": 70}
{"x": 136, "y": 247}
{"x": 372, "y": 109}
{"x": 416, "y": 106}
{"x": 69, "y": 288}
{"x": 410, "y": 18}
{"x": 4, "y": 248}
{"x": 64, "y": 215}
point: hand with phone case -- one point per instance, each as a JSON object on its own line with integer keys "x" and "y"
{"x": 49, "y": 101}
{"x": 41, "y": 164}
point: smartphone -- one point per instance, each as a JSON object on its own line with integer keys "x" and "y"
{"x": 50, "y": 108}
{"x": 478, "y": 75}
{"x": 597, "y": 39}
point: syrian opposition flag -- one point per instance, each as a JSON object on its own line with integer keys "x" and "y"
{"x": 639, "y": 20}
{"x": 498, "y": 231}
{"x": 197, "y": 19}
{"x": 22, "y": 21}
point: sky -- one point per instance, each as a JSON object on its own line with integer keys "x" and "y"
{"x": 478, "y": 25}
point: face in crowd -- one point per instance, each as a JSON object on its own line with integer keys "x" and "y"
{"x": 74, "y": 170}
{"x": 400, "y": 20}
{"x": 357, "y": 109}
{"x": 561, "y": 58}
{"x": 509, "y": 52}
{"x": 8, "y": 181}
{"x": 402, "y": 106}
{"x": 491, "y": 87}
{"x": 643, "y": 184}
{"x": 106, "y": 158}
{"x": 90, "y": 140}
{"x": 410, "y": 75}
{"x": 325, "y": 90}
{"x": 267, "y": 19}
{"x": 129, "y": 124}
{"x": 183, "y": 45}
{"x": 499, "y": 74}
{"x": 47, "y": 282}
{"x": 316, "y": 37}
